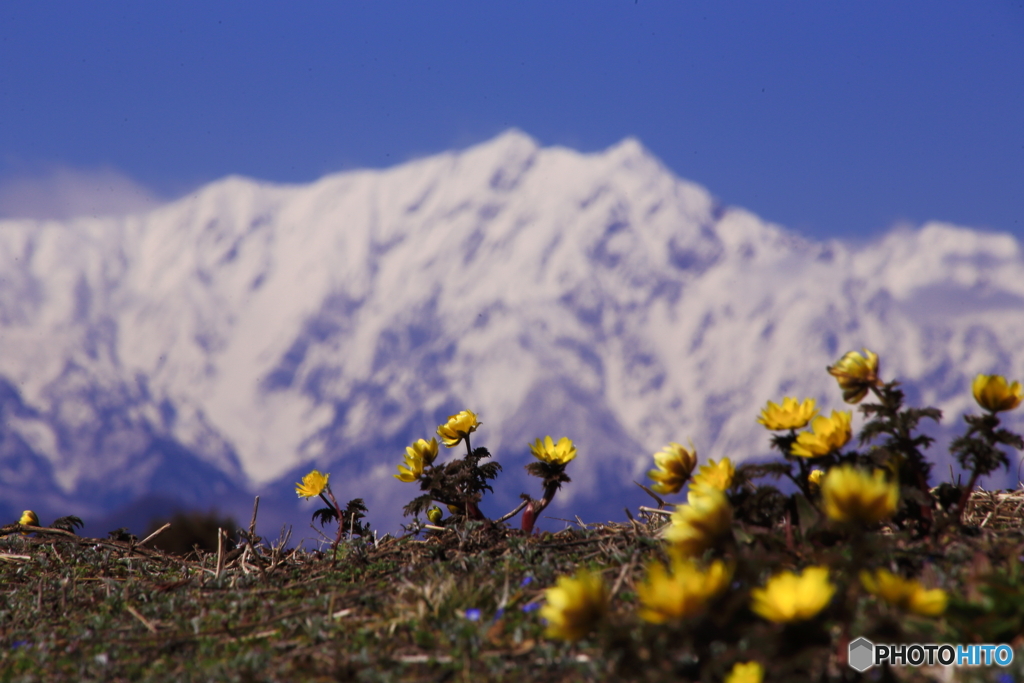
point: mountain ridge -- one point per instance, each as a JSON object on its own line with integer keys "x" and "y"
{"x": 252, "y": 331}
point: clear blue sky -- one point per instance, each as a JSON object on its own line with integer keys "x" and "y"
{"x": 835, "y": 119}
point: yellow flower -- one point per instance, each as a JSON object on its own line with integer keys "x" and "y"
{"x": 683, "y": 593}
{"x": 856, "y": 374}
{"x": 434, "y": 514}
{"x": 814, "y": 480}
{"x": 792, "y": 597}
{"x": 906, "y": 594}
{"x": 312, "y": 484}
{"x": 417, "y": 456}
{"x": 994, "y": 395}
{"x": 745, "y": 672}
{"x": 827, "y": 434}
{"x": 854, "y": 495}
{"x": 553, "y": 453}
{"x": 696, "y": 526}
{"x": 715, "y": 475}
{"x": 674, "y": 465}
{"x": 575, "y": 605}
{"x": 29, "y": 518}
{"x": 791, "y": 415}
{"x": 457, "y": 428}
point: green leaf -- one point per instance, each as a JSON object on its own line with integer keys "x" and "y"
{"x": 741, "y": 535}
{"x": 808, "y": 517}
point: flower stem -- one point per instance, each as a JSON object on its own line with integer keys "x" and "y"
{"x": 537, "y": 506}
{"x": 337, "y": 510}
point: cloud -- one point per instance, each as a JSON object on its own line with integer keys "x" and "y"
{"x": 61, "y": 192}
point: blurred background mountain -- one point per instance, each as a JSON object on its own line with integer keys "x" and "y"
{"x": 222, "y": 345}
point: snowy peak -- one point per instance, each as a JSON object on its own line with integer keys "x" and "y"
{"x": 253, "y": 330}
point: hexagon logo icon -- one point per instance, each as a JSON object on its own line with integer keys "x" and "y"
{"x": 862, "y": 654}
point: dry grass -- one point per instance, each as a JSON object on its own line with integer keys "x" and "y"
{"x": 1003, "y": 510}
{"x": 455, "y": 605}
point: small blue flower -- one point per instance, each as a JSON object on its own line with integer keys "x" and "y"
{"x": 1004, "y": 678}
{"x": 527, "y": 580}
{"x": 473, "y": 614}
{"x": 531, "y": 606}
{"x": 499, "y": 614}
{"x": 20, "y": 643}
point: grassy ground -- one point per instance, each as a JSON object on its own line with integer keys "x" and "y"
{"x": 456, "y": 605}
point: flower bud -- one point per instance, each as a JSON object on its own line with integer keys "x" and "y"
{"x": 434, "y": 514}
{"x": 994, "y": 394}
{"x": 856, "y": 374}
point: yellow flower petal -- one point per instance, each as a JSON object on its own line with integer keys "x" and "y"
{"x": 457, "y": 428}
{"x": 698, "y": 525}
{"x": 814, "y": 478}
{"x": 827, "y": 434}
{"x": 683, "y": 593}
{"x": 548, "y": 451}
{"x": 575, "y": 605}
{"x": 907, "y": 594}
{"x": 312, "y": 484}
{"x": 716, "y": 475}
{"x": 417, "y": 456}
{"x": 850, "y": 494}
{"x": 793, "y": 597}
{"x": 745, "y": 672}
{"x": 674, "y": 465}
{"x": 790, "y": 415}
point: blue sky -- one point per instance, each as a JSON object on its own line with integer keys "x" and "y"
{"x": 834, "y": 119}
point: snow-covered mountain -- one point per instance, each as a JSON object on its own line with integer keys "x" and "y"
{"x": 225, "y": 343}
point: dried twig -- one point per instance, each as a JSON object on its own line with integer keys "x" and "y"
{"x": 652, "y": 494}
{"x": 655, "y": 511}
{"x": 515, "y": 512}
{"x": 220, "y": 552}
{"x": 145, "y": 622}
{"x": 153, "y": 535}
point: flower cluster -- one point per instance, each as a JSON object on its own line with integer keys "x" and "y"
{"x": 458, "y": 484}
{"x": 739, "y": 545}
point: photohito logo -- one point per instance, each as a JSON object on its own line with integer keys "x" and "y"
{"x": 863, "y": 654}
